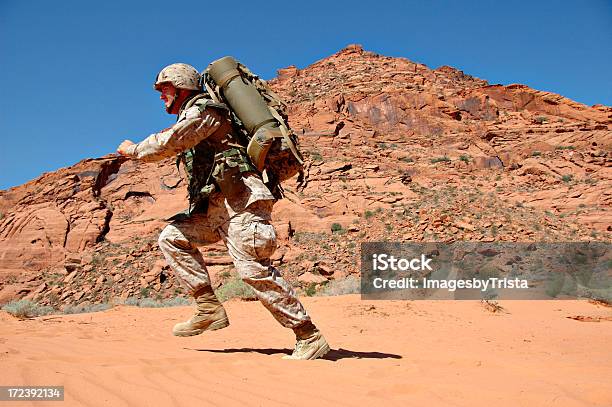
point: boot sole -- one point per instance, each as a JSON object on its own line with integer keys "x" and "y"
{"x": 220, "y": 324}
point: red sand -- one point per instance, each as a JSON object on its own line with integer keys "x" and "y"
{"x": 391, "y": 353}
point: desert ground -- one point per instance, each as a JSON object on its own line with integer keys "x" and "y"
{"x": 391, "y": 353}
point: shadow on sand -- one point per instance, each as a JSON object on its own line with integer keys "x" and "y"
{"x": 333, "y": 355}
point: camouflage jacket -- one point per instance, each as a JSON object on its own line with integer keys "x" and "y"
{"x": 213, "y": 158}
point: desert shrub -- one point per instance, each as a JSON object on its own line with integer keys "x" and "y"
{"x": 26, "y": 309}
{"x": 349, "y": 285}
{"x": 385, "y": 146}
{"x": 311, "y": 290}
{"x": 75, "y": 309}
{"x": 541, "y": 119}
{"x": 176, "y": 302}
{"x": 316, "y": 156}
{"x": 131, "y": 301}
{"x": 156, "y": 303}
{"x": 150, "y": 303}
{"x": 337, "y": 228}
{"x": 235, "y": 288}
{"x": 171, "y": 302}
{"x": 440, "y": 160}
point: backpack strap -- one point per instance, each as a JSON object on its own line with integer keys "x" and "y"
{"x": 283, "y": 129}
{"x": 202, "y": 101}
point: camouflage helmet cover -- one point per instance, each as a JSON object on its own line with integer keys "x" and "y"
{"x": 181, "y": 76}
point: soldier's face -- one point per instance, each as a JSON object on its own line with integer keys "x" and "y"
{"x": 168, "y": 95}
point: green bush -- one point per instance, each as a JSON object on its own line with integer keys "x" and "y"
{"x": 567, "y": 178}
{"x": 536, "y": 154}
{"x": 465, "y": 158}
{"x": 541, "y": 119}
{"x": 311, "y": 290}
{"x": 440, "y": 160}
{"x": 336, "y": 228}
{"x": 385, "y": 146}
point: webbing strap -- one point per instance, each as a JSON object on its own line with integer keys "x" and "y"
{"x": 210, "y": 91}
{"x": 260, "y": 125}
{"x": 283, "y": 130}
{"x": 193, "y": 100}
{"x": 227, "y": 78}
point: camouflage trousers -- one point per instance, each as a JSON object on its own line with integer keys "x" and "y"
{"x": 250, "y": 239}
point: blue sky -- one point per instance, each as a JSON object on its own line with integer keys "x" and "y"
{"x": 76, "y": 75}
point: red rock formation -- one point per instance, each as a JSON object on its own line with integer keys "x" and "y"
{"x": 396, "y": 150}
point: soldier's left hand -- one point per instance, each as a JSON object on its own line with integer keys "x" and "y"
{"x": 125, "y": 148}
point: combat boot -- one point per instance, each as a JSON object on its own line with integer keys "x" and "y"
{"x": 310, "y": 343}
{"x": 210, "y": 315}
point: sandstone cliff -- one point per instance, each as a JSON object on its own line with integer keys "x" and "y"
{"x": 396, "y": 151}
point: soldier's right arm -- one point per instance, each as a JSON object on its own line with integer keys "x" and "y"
{"x": 192, "y": 127}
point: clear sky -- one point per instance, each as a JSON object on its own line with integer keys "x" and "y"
{"x": 76, "y": 76}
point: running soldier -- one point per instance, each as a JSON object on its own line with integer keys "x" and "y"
{"x": 228, "y": 202}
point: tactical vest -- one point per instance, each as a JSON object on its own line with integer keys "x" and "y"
{"x": 217, "y": 162}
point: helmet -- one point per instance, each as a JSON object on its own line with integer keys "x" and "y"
{"x": 181, "y": 76}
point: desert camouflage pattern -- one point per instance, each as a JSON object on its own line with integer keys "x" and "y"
{"x": 241, "y": 221}
{"x": 250, "y": 239}
{"x": 191, "y": 127}
{"x": 282, "y": 162}
{"x": 181, "y": 76}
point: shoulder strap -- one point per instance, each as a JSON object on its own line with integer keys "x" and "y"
{"x": 205, "y": 102}
{"x": 202, "y": 101}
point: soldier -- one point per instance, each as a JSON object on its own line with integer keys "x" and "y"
{"x": 229, "y": 202}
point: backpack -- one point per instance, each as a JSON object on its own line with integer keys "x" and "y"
{"x": 259, "y": 117}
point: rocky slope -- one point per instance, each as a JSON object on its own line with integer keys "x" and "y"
{"x": 396, "y": 151}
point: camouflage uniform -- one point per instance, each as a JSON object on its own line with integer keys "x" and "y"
{"x": 238, "y": 214}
